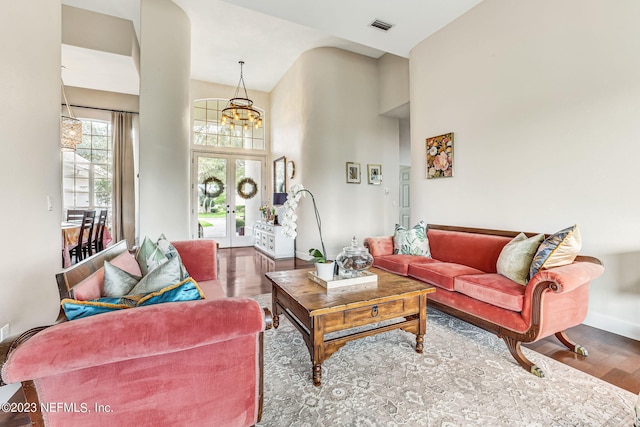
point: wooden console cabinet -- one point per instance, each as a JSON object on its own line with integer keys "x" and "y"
{"x": 271, "y": 241}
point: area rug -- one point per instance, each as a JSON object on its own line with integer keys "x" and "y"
{"x": 465, "y": 377}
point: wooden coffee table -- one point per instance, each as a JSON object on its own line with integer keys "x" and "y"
{"x": 316, "y": 311}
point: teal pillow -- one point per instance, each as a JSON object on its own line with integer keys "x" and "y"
{"x": 149, "y": 256}
{"x": 412, "y": 241}
{"x": 117, "y": 282}
{"x": 170, "y": 251}
{"x": 165, "y": 275}
{"x": 558, "y": 249}
{"x": 187, "y": 290}
{"x": 74, "y": 309}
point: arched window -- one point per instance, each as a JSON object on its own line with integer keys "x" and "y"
{"x": 208, "y": 129}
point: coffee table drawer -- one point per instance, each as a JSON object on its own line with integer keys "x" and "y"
{"x": 371, "y": 314}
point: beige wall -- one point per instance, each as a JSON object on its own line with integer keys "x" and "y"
{"x": 324, "y": 114}
{"x": 165, "y": 67}
{"x": 543, "y": 98}
{"x": 393, "y": 82}
{"x": 30, "y": 165}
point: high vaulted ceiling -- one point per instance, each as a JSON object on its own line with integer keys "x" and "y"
{"x": 269, "y": 35}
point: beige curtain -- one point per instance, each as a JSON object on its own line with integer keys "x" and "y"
{"x": 123, "y": 178}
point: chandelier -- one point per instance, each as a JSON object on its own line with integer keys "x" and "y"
{"x": 239, "y": 111}
{"x": 70, "y": 128}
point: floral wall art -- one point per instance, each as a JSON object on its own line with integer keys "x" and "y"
{"x": 440, "y": 156}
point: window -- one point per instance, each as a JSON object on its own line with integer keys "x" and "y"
{"x": 208, "y": 130}
{"x": 87, "y": 172}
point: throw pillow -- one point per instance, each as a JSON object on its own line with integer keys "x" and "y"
{"x": 165, "y": 275}
{"x": 412, "y": 241}
{"x": 187, "y": 290}
{"x": 558, "y": 249}
{"x": 117, "y": 282}
{"x": 515, "y": 258}
{"x": 170, "y": 251}
{"x": 149, "y": 256}
{"x": 75, "y": 309}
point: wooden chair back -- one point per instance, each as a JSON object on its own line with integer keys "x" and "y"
{"x": 75, "y": 215}
{"x": 98, "y": 240}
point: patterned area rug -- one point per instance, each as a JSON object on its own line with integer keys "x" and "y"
{"x": 465, "y": 377}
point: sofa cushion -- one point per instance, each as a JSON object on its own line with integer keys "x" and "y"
{"x": 399, "y": 264}
{"x": 440, "y": 274}
{"x": 558, "y": 249}
{"x": 493, "y": 289}
{"x": 412, "y": 241}
{"x": 479, "y": 251}
{"x": 515, "y": 259}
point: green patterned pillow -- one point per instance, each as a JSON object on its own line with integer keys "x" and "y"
{"x": 412, "y": 241}
{"x": 165, "y": 275}
{"x": 170, "y": 251}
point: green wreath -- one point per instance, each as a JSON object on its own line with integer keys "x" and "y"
{"x": 216, "y": 183}
{"x": 247, "y": 194}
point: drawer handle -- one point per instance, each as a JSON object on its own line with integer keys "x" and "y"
{"x": 374, "y": 311}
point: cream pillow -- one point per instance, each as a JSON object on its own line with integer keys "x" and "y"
{"x": 515, "y": 259}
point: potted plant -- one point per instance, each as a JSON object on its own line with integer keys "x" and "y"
{"x": 324, "y": 267}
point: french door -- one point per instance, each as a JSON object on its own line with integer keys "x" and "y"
{"x": 227, "y": 195}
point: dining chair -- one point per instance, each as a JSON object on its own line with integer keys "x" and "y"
{"x": 83, "y": 248}
{"x": 97, "y": 243}
{"x": 75, "y": 215}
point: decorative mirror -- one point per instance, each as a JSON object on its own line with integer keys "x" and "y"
{"x": 291, "y": 169}
{"x": 280, "y": 175}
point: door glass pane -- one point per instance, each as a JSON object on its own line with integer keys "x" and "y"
{"x": 212, "y": 197}
{"x": 248, "y": 195}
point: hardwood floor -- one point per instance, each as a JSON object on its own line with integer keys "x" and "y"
{"x": 612, "y": 358}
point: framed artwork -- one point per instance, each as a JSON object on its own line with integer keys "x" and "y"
{"x": 353, "y": 173}
{"x": 279, "y": 175}
{"x": 440, "y": 156}
{"x": 374, "y": 174}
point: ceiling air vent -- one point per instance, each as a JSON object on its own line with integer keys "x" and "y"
{"x": 381, "y": 25}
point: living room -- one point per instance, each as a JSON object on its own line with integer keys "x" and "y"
{"x": 535, "y": 94}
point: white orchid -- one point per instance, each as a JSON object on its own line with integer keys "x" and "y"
{"x": 289, "y": 217}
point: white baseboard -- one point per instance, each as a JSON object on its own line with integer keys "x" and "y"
{"x": 617, "y": 326}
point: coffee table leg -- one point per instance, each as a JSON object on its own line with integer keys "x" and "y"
{"x": 317, "y": 375}
{"x": 419, "y": 343}
{"x": 276, "y": 319}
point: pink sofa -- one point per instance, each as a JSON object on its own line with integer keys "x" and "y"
{"x": 180, "y": 363}
{"x": 463, "y": 269}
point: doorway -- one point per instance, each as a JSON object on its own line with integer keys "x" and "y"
{"x": 227, "y": 194}
{"x": 405, "y": 201}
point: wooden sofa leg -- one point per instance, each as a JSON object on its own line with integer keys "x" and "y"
{"x": 576, "y": 348}
{"x": 515, "y": 350}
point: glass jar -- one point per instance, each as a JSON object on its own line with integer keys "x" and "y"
{"x": 353, "y": 259}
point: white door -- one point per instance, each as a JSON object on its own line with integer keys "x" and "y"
{"x": 405, "y": 201}
{"x": 227, "y": 194}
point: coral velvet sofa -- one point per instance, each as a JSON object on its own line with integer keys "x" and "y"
{"x": 179, "y": 363}
{"x": 463, "y": 269}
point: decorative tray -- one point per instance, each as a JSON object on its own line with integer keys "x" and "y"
{"x": 364, "y": 277}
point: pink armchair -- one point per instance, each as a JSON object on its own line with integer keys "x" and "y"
{"x": 181, "y": 363}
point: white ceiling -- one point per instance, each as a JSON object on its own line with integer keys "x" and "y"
{"x": 269, "y": 35}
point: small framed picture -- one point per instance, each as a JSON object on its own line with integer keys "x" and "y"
{"x": 353, "y": 173}
{"x": 374, "y": 174}
{"x": 440, "y": 156}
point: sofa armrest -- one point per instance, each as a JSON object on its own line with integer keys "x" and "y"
{"x": 567, "y": 277}
{"x": 132, "y": 334}
{"x": 199, "y": 257}
{"x": 379, "y": 246}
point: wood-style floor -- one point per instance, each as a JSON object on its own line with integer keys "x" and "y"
{"x": 612, "y": 358}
